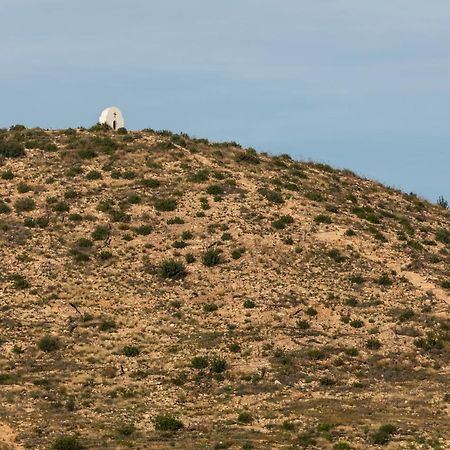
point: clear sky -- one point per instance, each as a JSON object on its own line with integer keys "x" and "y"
{"x": 358, "y": 84}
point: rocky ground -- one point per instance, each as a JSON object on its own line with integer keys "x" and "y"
{"x": 159, "y": 291}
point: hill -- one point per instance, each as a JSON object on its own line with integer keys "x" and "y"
{"x": 159, "y": 291}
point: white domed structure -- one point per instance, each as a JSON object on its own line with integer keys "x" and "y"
{"x": 113, "y": 117}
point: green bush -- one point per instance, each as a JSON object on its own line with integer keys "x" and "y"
{"x": 172, "y": 269}
{"x": 101, "y": 233}
{"x": 143, "y": 230}
{"x": 108, "y": 325}
{"x": 373, "y": 344}
{"x": 11, "y": 149}
{"x": 7, "y": 175}
{"x": 215, "y": 189}
{"x": 175, "y": 221}
{"x": 24, "y": 204}
{"x": 122, "y": 130}
{"x": 248, "y": 156}
{"x": 67, "y": 443}
{"x": 166, "y": 204}
{"x": 150, "y": 183}
{"x": 200, "y": 176}
{"x": 61, "y": 207}
{"x": 211, "y": 257}
{"x": 271, "y": 196}
{"x": 23, "y": 188}
{"x": 249, "y": 304}
{"x": 384, "y": 434}
{"x": 4, "y": 208}
{"x": 245, "y": 417}
{"x": 93, "y": 175}
{"x": 131, "y": 351}
{"x": 190, "y": 258}
{"x": 167, "y": 422}
{"x": 218, "y": 364}
{"x": 48, "y": 343}
{"x": 20, "y": 282}
{"x": 210, "y": 307}
{"x": 280, "y": 224}
{"x": 237, "y": 252}
{"x": 200, "y": 362}
{"x": 322, "y": 218}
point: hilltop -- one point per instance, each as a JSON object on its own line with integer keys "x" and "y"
{"x": 159, "y": 291}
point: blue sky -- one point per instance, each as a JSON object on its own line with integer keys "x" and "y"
{"x": 357, "y": 84}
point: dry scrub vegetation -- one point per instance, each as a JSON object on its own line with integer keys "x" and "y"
{"x": 159, "y": 291}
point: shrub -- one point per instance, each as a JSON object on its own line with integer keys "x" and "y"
{"x": 210, "y": 307}
{"x": 167, "y": 422}
{"x": 131, "y": 351}
{"x": 164, "y": 205}
{"x": 48, "y": 343}
{"x": 211, "y": 257}
{"x": 442, "y": 202}
{"x": 67, "y": 443}
{"x": 215, "y": 189}
{"x": 186, "y": 235}
{"x": 237, "y": 252}
{"x": 190, "y": 258}
{"x": 83, "y": 243}
{"x": 24, "y": 204}
{"x": 122, "y": 130}
{"x": 322, "y": 218}
{"x": 249, "y": 304}
{"x": 384, "y": 280}
{"x": 134, "y": 199}
{"x": 61, "y": 207}
{"x": 143, "y": 230}
{"x": 384, "y": 434}
{"x": 93, "y": 175}
{"x": 430, "y": 342}
{"x": 11, "y": 149}
{"x": 280, "y": 224}
{"x": 175, "y": 221}
{"x": 303, "y": 324}
{"x": 443, "y": 235}
{"x": 200, "y": 362}
{"x": 126, "y": 429}
{"x": 199, "y": 177}
{"x": 172, "y": 269}
{"x": 245, "y": 417}
{"x": 7, "y": 175}
{"x": 23, "y": 188}
{"x": 218, "y": 364}
{"x": 336, "y": 255}
{"x": 373, "y": 344}
{"x": 119, "y": 216}
{"x": 150, "y": 183}
{"x": 179, "y": 244}
{"x": 248, "y": 156}
{"x": 20, "y": 282}
{"x": 271, "y": 196}
{"x": 4, "y": 208}
{"x": 100, "y": 233}
{"x": 445, "y": 284}
{"x": 357, "y": 323}
{"x": 108, "y": 325}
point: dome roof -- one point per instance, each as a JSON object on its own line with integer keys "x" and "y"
{"x": 113, "y": 117}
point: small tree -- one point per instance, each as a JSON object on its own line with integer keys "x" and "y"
{"x": 442, "y": 202}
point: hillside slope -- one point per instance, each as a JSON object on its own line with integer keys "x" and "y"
{"x": 158, "y": 291}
